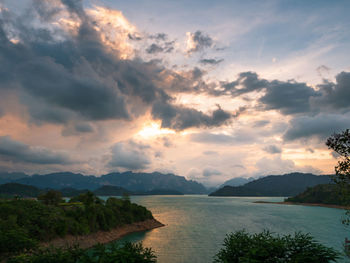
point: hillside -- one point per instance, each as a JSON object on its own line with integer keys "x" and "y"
{"x": 15, "y": 189}
{"x": 275, "y": 185}
{"x": 61, "y": 180}
{"x": 320, "y": 194}
{"x": 22, "y": 190}
{"x": 109, "y": 190}
{"x": 134, "y": 182}
{"x": 8, "y": 177}
{"x": 143, "y": 182}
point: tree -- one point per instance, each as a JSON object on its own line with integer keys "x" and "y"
{"x": 242, "y": 247}
{"x": 340, "y": 143}
{"x": 51, "y": 197}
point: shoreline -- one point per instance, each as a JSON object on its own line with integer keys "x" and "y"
{"x": 303, "y": 204}
{"x": 102, "y": 237}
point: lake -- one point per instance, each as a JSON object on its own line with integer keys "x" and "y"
{"x": 196, "y": 225}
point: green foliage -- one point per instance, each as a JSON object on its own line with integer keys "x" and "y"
{"x": 14, "y": 189}
{"x": 51, "y": 197}
{"x": 24, "y": 223}
{"x": 275, "y": 185}
{"x": 241, "y": 247}
{"x": 320, "y": 194}
{"x": 340, "y": 143}
{"x": 128, "y": 253}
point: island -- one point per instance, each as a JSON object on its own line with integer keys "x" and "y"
{"x": 323, "y": 195}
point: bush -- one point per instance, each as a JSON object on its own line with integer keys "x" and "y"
{"x": 128, "y": 253}
{"x": 242, "y": 247}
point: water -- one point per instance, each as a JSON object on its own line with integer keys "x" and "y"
{"x": 196, "y": 225}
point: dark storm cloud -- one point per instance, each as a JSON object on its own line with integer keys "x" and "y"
{"x": 320, "y": 126}
{"x": 78, "y": 79}
{"x": 130, "y": 155}
{"x": 336, "y": 95}
{"x": 199, "y": 41}
{"x": 272, "y": 149}
{"x": 180, "y": 117}
{"x": 210, "y": 61}
{"x": 14, "y": 151}
{"x": 246, "y": 82}
{"x": 288, "y": 97}
{"x": 62, "y": 75}
{"x": 291, "y": 97}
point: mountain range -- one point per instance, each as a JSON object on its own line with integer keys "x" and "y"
{"x": 275, "y": 185}
{"x": 134, "y": 182}
{"x": 9, "y": 190}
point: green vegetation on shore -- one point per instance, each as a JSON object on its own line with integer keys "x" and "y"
{"x": 26, "y": 223}
{"x": 127, "y": 253}
{"x": 275, "y": 185}
{"x": 10, "y": 190}
{"x": 240, "y": 247}
{"x": 329, "y": 194}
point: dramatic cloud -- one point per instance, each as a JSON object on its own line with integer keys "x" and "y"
{"x": 130, "y": 155}
{"x": 198, "y": 41}
{"x": 14, "y": 151}
{"x": 336, "y": 95}
{"x": 245, "y": 83}
{"x": 83, "y": 77}
{"x": 180, "y": 118}
{"x": 288, "y": 97}
{"x": 320, "y": 126}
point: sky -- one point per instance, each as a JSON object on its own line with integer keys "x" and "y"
{"x": 209, "y": 90}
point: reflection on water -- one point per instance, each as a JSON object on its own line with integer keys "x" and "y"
{"x": 196, "y": 225}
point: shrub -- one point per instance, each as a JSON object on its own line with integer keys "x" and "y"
{"x": 128, "y": 253}
{"x": 242, "y": 247}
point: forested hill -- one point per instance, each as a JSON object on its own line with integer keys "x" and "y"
{"x": 135, "y": 182}
{"x": 275, "y": 185}
{"x": 26, "y": 223}
{"x": 329, "y": 194}
{"x": 10, "y": 190}
{"x": 143, "y": 182}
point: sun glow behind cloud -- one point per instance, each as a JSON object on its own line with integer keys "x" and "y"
{"x": 114, "y": 29}
{"x": 152, "y": 130}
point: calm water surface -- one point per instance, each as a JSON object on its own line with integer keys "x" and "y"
{"x": 196, "y": 225}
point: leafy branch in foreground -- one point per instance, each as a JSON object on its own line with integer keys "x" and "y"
{"x": 127, "y": 253}
{"x": 340, "y": 143}
{"x": 242, "y": 247}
